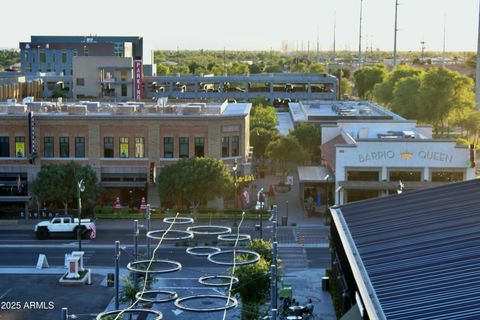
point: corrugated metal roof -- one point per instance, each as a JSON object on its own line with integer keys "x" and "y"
{"x": 421, "y": 250}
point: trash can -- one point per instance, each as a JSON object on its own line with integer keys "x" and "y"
{"x": 325, "y": 283}
{"x": 284, "y": 221}
{"x": 110, "y": 278}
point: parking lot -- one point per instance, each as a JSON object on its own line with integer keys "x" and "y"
{"x": 42, "y": 297}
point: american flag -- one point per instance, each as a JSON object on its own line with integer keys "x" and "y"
{"x": 93, "y": 230}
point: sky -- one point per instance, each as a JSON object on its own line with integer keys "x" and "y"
{"x": 252, "y": 24}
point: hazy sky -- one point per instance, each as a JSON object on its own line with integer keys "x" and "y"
{"x": 251, "y": 24}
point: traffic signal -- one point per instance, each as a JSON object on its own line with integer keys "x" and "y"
{"x": 471, "y": 161}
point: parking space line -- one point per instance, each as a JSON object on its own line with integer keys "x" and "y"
{"x": 6, "y": 292}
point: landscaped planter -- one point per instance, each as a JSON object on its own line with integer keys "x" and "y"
{"x": 84, "y": 275}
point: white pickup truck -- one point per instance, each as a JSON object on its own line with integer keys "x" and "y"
{"x": 65, "y": 225}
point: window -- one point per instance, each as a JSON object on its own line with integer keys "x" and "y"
{"x": 168, "y": 147}
{"x": 4, "y": 147}
{"x": 64, "y": 147}
{"x": 79, "y": 147}
{"x": 445, "y": 176}
{"x": 405, "y": 175}
{"x": 123, "y": 75}
{"x": 80, "y": 81}
{"x": 86, "y": 51}
{"x": 108, "y": 147}
{"x": 183, "y": 147}
{"x": 64, "y": 56}
{"x": 20, "y": 147}
{"x": 235, "y": 146}
{"x": 124, "y": 90}
{"x": 43, "y": 56}
{"x": 225, "y": 147}
{"x": 363, "y": 176}
{"x": 123, "y": 147}
{"x": 199, "y": 147}
{"x": 140, "y": 147}
{"x": 48, "y": 148}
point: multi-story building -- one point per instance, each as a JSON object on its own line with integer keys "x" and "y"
{"x": 52, "y": 57}
{"x": 121, "y": 142}
{"x": 367, "y": 150}
{"x": 15, "y": 86}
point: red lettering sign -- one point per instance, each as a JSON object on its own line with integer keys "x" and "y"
{"x": 138, "y": 80}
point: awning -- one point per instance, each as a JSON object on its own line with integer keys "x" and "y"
{"x": 15, "y": 198}
{"x": 314, "y": 174}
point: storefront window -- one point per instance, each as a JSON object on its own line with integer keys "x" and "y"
{"x": 445, "y": 176}
{"x": 360, "y": 194}
{"x": 363, "y": 175}
{"x": 405, "y": 175}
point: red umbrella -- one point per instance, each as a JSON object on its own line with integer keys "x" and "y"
{"x": 271, "y": 191}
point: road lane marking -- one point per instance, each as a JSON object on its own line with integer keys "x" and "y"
{"x": 6, "y": 292}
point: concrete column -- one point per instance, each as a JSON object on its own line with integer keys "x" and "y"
{"x": 384, "y": 174}
{"x": 426, "y": 174}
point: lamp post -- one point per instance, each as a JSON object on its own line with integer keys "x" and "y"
{"x": 81, "y": 188}
{"x": 235, "y": 167}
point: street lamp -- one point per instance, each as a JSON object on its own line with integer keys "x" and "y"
{"x": 81, "y": 188}
{"x": 235, "y": 167}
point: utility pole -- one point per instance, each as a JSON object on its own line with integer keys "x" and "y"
{"x": 423, "y": 49}
{"x": 147, "y": 226}
{"x": 395, "y": 36}
{"x": 360, "y": 38}
{"x": 117, "y": 274}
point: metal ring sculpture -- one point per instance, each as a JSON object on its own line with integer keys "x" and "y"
{"x": 204, "y": 281}
{"x": 151, "y": 235}
{"x": 171, "y": 295}
{"x": 178, "y": 220}
{"x": 239, "y": 263}
{"x": 219, "y": 230}
{"x": 230, "y": 303}
{"x": 191, "y": 250}
{"x": 158, "y": 314}
{"x": 132, "y": 266}
{"x": 234, "y": 237}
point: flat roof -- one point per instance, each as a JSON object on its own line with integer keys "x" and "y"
{"x": 419, "y": 252}
{"x": 333, "y": 110}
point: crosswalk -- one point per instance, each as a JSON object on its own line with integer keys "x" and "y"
{"x": 293, "y": 257}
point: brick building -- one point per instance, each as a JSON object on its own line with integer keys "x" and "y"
{"x": 121, "y": 142}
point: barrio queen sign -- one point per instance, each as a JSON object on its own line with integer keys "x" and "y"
{"x": 137, "y": 87}
{"x": 390, "y": 154}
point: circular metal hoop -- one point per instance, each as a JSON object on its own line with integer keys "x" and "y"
{"x": 231, "y": 302}
{"x": 132, "y": 266}
{"x": 158, "y": 314}
{"x": 215, "y": 230}
{"x": 233, "y": 237}
{"x": 178, "y": 220}
{"x": 188, "y": 235}
{"x": 204, "y": 281}
{"x": 239, "y": 263}
{"x": 171, "y": 295}
{"x": 191, "y": 250}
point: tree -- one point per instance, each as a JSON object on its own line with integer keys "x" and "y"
{"x": 309, "y": 136}
{"x": 298, "y": 67}
{"x": 383, "y": 91}
{"x": 366, "y": 78}
{"x": 255, "y": 68}
{"x": 259, "y": 140}
{"x": 194, "y": 180}
{"x": 286, "y": 150}
{"x": 58, "y": 183}
{"x": 441, "y": 92}
{"x": 238, "y": 68}
{"x": 317, "y": 68}
{"x": 162, "y": 70}
{"x": 406, "y": 97}
{"x": 263, "y": 117}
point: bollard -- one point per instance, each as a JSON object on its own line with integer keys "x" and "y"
{"x": 64, "y": 314}
{"x": 89, "y": 276}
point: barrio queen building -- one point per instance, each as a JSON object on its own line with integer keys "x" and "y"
{"x": 370, "y": 158}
